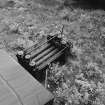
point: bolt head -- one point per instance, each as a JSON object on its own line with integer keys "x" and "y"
{"x": 32, "y": 63}
{"x": 20, "y": 53}
{"x": 27, "y": 56}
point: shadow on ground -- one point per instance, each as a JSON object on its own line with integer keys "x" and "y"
{"x": 87, "y": 4}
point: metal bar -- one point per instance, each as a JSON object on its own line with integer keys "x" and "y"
{"x": 43, "y": 54}
{"x": 46, "y": 79}
{"x": 26, "y": 50}
{"x": 38, "y": 51}
{"x": 46, "y": 57}
{"x": 50, "y": 59}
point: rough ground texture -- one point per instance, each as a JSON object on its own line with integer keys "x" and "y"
{"x": 25, "y": 22}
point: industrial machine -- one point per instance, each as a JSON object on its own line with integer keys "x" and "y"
{"x": 37, "y": 58}
{"x": 21, "y": 82}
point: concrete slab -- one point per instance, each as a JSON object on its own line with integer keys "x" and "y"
{"x": 26, "y": 88}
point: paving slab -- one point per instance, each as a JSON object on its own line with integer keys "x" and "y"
{"x": 25, "y": 87}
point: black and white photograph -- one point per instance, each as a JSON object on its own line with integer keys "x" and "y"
{"x": 52, "y": 52}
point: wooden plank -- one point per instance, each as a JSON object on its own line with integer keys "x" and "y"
{"x": 25, "y": 86}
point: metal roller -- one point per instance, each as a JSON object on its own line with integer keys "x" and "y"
{"x": 35, "y": 52}
{"x": 34, "y": 47}
{"x": 44, "y": 53}
{"x": 46, "y": 57}
{"x": 49, "y": 60}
